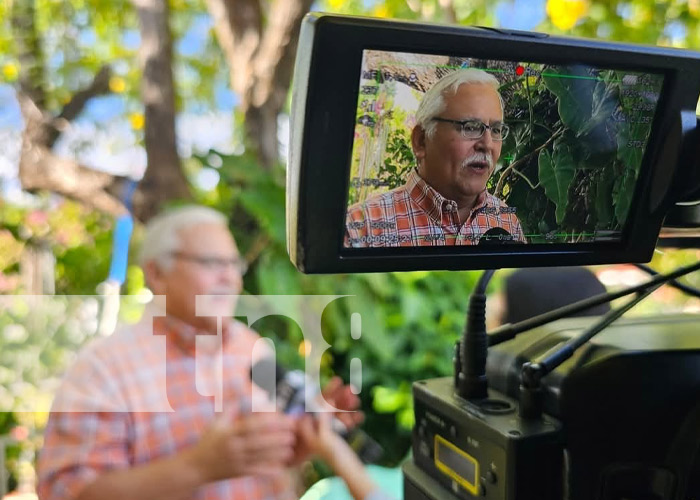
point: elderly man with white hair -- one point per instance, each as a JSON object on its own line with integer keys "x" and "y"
{"x": 135, "y": 419}
{"x": 456, "y": 142}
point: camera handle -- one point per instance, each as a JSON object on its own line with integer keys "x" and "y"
{"x": 471, "y": 352}
{"x": 532, "y": 373}
{"x": 688, "y": 290}
{"x": 509, "y": 331}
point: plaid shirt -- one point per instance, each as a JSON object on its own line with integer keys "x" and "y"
{"x": 415, "y": 214}
{"x": 137, "y": 396}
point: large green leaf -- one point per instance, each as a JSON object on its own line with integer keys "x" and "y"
{"x": 623, "y": 193}
{"x": 574, "y": 96}
{"x": 265, "y": 201}
{"x": 603, "y": 198}
{"x": 585, "y": 104}
{"x": 630, "y": 141}
{"x": 604, "y": 102}
{"x": 277, "y": 276}
{"x": 556, "y": 171}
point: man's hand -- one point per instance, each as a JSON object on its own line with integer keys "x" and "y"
{"x": 341, "y": 397}
{"x": 251, "y": 444}
{"x": 316, "y": 435}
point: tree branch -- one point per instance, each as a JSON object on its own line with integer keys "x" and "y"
{"x": 274, "y": 61}
{"x": 421, "y": 75}
{"x": 260, "y": 244}
{"x": 448, "y": 10}
{"x": 99, "y": 86}
{"x": 238, "y": 27}
{"x": 41, "y": 169}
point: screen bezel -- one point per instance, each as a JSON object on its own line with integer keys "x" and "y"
{"x": 325, "y": 110}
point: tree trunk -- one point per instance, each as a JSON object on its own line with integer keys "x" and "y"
{"x": 261, "y": 132}
{"x": 164, "y": 179}
{"x": 261, "y": 59}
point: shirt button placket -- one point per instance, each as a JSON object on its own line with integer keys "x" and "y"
{"x": 452, "y": 209}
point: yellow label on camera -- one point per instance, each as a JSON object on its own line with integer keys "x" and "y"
{"x": 457, "y": 464}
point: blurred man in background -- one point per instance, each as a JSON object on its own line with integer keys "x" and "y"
{"x": 135, "y": 417}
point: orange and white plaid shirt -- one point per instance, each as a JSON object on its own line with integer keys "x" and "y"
{"x": 141, "y": 394}
{"x": 415, "y": 214}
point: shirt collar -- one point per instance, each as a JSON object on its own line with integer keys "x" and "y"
{"x": 432, "y": 202}
{"x": 184, "y": 336}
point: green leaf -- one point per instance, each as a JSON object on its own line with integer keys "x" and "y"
{"x": 628, "y": 139}
{"x": 604, "y": 198}
{"x": 556, "y": 172}
{"x": 603, "y": 104}
{"x": 405, "y": 418}
{"x": 387, "y": 400}
{"x": 390, "y": 400}
{"x": 574, "y": 96}
{"x": 623, "y": 193}
{"x": 265, "y": 201}
{"x": 277, "y": 276}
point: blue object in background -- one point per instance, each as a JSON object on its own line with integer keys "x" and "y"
{"x": 123, "y": 227}
{"x": 389, "y": 481}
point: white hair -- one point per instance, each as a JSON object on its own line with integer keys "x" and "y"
{"x": 433, "y": 103}
{"x": 162, "y": 235}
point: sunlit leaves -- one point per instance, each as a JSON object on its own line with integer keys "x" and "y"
{"x": 117, "y": 84}
{"x": 137, "y": 121}
{"x": 10, "y": 71}
{"x": 667, "y": 22}
{"x": 566, "y": 13}
{"x": 10, "y": 249}
{"x": 398, "y": 401}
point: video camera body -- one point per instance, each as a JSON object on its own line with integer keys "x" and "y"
{"x": 603, "y": 147}
{"x": 621, "y": 420}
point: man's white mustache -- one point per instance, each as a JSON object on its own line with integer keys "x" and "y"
{"x": 478, "y": 158}
{"x": 223, "y": 292}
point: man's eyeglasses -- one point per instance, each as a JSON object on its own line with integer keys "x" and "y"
{"x": 214, "y": 263}
{"x": 474, "y": 129}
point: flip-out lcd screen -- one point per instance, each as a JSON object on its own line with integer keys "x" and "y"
{"x": 465, "y": 151}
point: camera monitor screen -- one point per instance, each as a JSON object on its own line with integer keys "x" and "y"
{"x": 464, "y": 151}
{"x": 417, "y": 146}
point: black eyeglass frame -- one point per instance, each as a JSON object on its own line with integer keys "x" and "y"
{"x": 210, "y": 262}
{"x": 463, "y": 123}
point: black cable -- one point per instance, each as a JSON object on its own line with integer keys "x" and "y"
{"x": 470, "y": 364}
{"x": 509, "y": 331}
{"x": 484, "y": 280}
{"x": 688, "y": 290}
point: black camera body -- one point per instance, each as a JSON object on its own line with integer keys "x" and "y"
{"x": 478, "y": 449}
{"x": 624, "y": 418}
